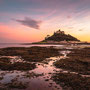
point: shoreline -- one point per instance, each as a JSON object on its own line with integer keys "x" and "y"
{"x": 54, "y": 43}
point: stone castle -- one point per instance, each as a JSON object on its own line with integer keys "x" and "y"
{"x": 59, "y": 32}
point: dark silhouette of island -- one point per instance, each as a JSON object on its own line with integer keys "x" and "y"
{"x": 60, "y": 36}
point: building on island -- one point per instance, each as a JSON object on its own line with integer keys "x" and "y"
{"x": 59, "y": 32}
{"x": 55, "y": 33}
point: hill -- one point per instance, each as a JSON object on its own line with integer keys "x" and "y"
{"x": 60, "y": 36}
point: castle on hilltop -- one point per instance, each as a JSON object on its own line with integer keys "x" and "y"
{"x": 55, "y": 33}
{"x": 60, "y": 36}
{"x": 59, "y": 32}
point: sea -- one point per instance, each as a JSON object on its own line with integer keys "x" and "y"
{"x": 5, "y": 45}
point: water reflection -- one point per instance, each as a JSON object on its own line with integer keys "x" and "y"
{"x": 37, "y": 79}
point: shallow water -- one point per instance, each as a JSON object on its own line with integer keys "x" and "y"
{"x": 4, "y": 45}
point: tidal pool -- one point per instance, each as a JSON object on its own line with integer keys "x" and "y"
{"x": 36, "y": 79}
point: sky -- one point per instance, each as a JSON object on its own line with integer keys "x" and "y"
{"x": 31, "y": 20}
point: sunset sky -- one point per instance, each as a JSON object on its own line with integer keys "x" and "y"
{"x": 31, "y": 20}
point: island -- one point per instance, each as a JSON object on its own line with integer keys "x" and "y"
{"x": 59, "y": 37}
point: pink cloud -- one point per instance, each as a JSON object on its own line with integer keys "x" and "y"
{"x": 30, "y": 22}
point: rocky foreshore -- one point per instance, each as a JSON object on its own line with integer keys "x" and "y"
{"x": 63, "y": 68}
